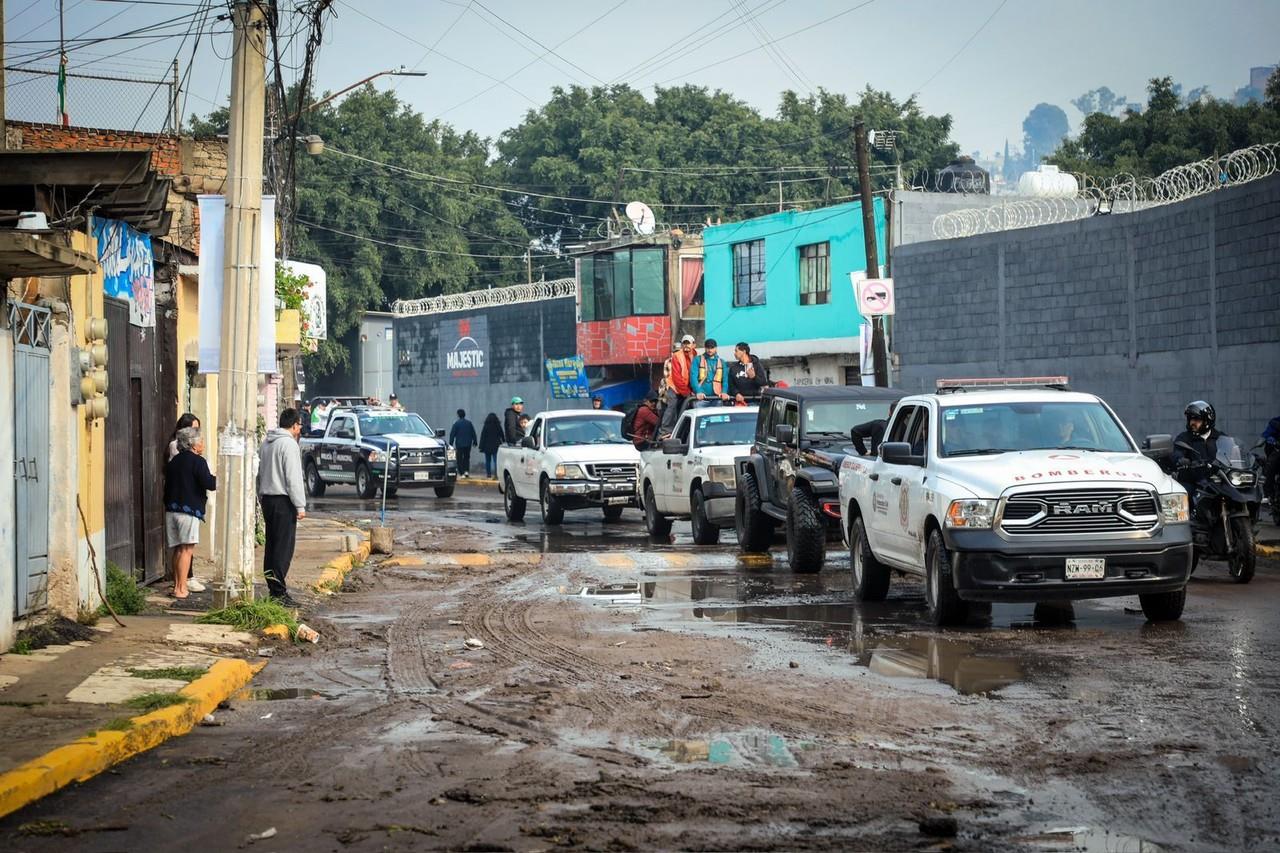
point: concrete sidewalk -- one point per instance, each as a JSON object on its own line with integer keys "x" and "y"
{"x": 72, "y": 710}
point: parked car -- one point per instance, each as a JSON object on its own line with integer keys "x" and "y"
{"x": 1020, "y": 493}
{"x": 570, "y": 460}
{"x": 790, "y": 476}
{"x": 361, "y": 441}
{"x": 692, "y": 474}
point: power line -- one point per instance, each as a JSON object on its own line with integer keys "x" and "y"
{"x": 968, "y": 42}
{"x": 310, "y": 224}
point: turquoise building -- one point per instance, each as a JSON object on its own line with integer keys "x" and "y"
{"x": 781, "y": 283}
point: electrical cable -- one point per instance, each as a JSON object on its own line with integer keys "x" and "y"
{"x": 968, "y": 42}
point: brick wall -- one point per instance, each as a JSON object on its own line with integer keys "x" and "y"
{"x": 1149, "y": 310}
{"x": 197, "y": 166}
{"x": 625, "y": 340}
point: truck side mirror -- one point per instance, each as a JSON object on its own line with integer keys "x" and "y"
{"x": 1157, "y": 446}
{"x": 674, "y": 447}
{"x": 529, "y": 443}
{"x": 899, "y": 453}
{"x": 785, "y": 433}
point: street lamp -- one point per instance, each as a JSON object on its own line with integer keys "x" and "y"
{"x": 390, "y": 72}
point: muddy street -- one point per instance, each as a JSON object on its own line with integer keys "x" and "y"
{"x": 500, "y": 686}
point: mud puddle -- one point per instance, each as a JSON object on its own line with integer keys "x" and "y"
{"x": 275, "y": 694}
{"x": 1086, "y": 840}
{"x": 749, "y": 749}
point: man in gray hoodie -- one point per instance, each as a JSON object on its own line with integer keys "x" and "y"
{"x": 283, "y": 498}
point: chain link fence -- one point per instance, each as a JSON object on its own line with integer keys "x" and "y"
{"x": 102, "y": 102}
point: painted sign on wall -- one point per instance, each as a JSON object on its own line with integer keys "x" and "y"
{"x": 128, "y": 268}
{"x": 568, "y": 378}
{"x": 464, "y": 350}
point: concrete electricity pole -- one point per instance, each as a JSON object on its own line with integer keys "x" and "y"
{"x": 238, "y": 368}
{"x": 879, "y": 356}
{"x": 2, "y": 124}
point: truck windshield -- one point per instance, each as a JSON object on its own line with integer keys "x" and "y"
{"x": 1009, "y": 427}
{"x": 391, "y": 424}
{"x": 835, "y": 419}
{"x": 723, "y": 430}
{"x": 584, "y": 429}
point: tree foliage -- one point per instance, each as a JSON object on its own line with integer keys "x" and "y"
{"x": 1043, "y": 128}
{"x": 1167, "y": 134}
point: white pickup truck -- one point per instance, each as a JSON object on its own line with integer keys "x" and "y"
{"x": 692, "y": 474}
{"x": 570, "y": 460}
{"x": 1030, "y": 494}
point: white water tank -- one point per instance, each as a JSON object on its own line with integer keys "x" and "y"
{"x": 1048, "y": 182}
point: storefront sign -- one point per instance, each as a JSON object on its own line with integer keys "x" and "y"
{"x": 128, "y": 268}
{"x": 568, "y": 378}
{"x": 464, "y": 350}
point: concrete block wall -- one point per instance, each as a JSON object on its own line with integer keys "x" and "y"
{"x": 1149, "y": 310}
{"x": 521, "y": 338}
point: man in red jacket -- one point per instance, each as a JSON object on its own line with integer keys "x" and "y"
{"x": 645, "y": 424}
{"x": 678, "y": 389}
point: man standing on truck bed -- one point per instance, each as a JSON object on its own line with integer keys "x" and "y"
{"x": 511, "y": 421}
{"x": 747, "y": 376}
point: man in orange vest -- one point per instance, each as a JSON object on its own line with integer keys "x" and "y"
{"x": 709, "y": 380}
{"x": 678, "y": 389}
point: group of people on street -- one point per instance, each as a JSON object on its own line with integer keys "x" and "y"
{"x": 690, "y": 377}
{"x": 281, "y": 494}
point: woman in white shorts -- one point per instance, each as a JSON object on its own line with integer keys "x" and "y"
{"x": 187, "y": 482}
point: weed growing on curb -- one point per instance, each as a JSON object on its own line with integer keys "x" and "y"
{"x": 119, "y": 724}
{"x": 21, "y": 646}
{"x": 45, "y": 828}
{"x": 175, "y": 673}
{"x": 126, "y": 597}
{"x": 148, "y": 702}
{"x": 332, "y": 586}
{"x": 87, "y": 617}
{"x": 253, "y": 616}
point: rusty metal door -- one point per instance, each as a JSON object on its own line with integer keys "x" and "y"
{"x": 30, "y": 326}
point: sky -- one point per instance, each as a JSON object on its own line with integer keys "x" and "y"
{"x": 987, "y": 63}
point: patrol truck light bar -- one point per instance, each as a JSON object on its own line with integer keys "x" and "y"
{"x": 950, "y": 386}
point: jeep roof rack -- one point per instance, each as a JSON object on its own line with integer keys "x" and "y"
{"x": 952, "y": 386}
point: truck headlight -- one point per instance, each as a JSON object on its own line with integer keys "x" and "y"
{"x": 972, "y": 514}
{"x": 374, "y": 456}
{"x": 450, "y": 453}
{"x": 569, "y": 472}
{"x": 1175, "y": 508}
{"x": 1240, "y": 478}
{"x": 726, "y": 475}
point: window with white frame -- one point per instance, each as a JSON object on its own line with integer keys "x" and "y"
{"x": 815, "y": 274}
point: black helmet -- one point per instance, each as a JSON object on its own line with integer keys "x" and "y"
{"x": 1201, "y": 410}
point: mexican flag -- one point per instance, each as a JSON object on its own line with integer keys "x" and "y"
{"x": 62, "y": 93}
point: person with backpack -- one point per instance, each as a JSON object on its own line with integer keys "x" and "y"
{"x": 641, "y": 425}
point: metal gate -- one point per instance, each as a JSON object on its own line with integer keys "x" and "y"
{"x": 30, "y": 326}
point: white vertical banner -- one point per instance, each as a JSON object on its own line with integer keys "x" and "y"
{"x": 866, "y": 359}
{"x": 213, "y": 214}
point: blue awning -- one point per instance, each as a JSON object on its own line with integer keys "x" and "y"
{"x": 617, "y": 393}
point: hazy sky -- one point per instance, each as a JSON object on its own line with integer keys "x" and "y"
{"x": 1030, "y": 51}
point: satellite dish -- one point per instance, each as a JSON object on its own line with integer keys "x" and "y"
{"x": 641, "y": 217}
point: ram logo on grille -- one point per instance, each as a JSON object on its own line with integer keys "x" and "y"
{"x": 1081, "y": 508}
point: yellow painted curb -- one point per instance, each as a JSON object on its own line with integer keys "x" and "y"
{"x": 1271, "y": 551}
{"x": 278, "y": 631}
{"x": 90, "y": 755}
{"x": 337, "y": 568}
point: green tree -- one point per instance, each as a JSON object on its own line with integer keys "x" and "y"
{"x": 1272, "y": 92}
{"x": 1043, "y": 128}
{"x": 1100, "y": 100}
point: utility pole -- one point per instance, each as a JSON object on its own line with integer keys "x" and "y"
{"x": 238, "y": 369}
{"x": 878, "y": 355}
{"x": 177, "y": 116}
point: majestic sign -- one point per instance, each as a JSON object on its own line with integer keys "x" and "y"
{"x": 568, "y": 378}
{"x": 128, "y": 268}
{"x": 464, "y": 350}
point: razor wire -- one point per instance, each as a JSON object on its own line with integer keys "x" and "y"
{"x": 531, "y": 292}
{"x": 1123, "y": 193}
{"x": 96, "y": 101}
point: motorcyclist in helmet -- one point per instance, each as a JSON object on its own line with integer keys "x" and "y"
{"x": 1271, "y": 465}
{"x": 1196, "y": 445}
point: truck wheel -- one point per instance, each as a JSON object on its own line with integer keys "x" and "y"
{"x": 315, "y": 485}
{"x": 392, "y": 489}
{"x": 754, "y": 528}
{"x": 870, "y": 576}
{"x": 552, "y": 511}
{"x": 612, "y": 513}
{"x": 704, "y": 532}
{"x": 511, "y": 502}
{"x": 945, "y": 606}
{"x": 366, "y": 486}
{"x": 1245, "y": 559}
{"x": 806, "y": 534}
{"x": 1163, "y": 606}
{"x": 659, "y": 526}
{"x": 444, "y": 491}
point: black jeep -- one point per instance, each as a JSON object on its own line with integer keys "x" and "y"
{"x": 792, "y": 474}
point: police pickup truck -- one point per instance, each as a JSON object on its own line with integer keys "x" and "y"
{"x": 570, "y": 460}
{"x": 359, "y": 441}
{"x": 1015, "y": 490}
{"x": 692, "y": 474}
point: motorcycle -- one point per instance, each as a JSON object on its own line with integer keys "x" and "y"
{"x": 1226, "y": 496}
